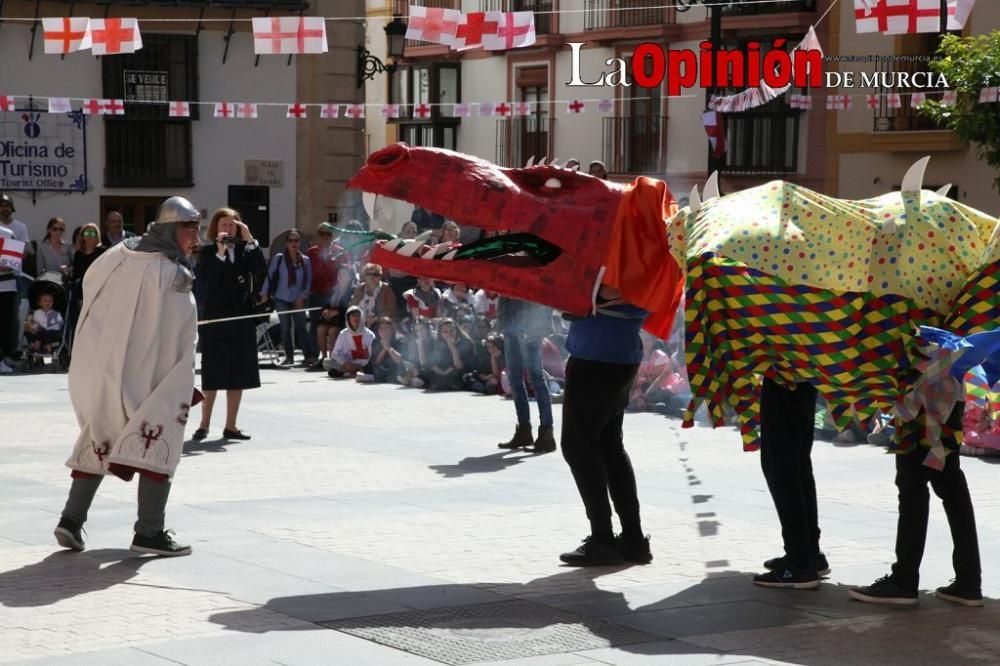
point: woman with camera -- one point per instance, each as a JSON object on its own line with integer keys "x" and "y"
{"x": 228, "y": 349}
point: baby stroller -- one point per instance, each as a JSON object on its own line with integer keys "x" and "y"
{"x": 55, "y": 285}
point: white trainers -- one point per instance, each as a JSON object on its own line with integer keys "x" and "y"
{"x": 5, "y": 369}
{"x": 417, "y": 383}
{"x": 327, "y": 364}
{"x": 364, "y": 378}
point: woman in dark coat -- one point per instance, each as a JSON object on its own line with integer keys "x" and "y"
{"x": 229, "y": 349}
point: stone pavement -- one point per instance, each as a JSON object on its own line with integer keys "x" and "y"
{"x": 380, "y": 525}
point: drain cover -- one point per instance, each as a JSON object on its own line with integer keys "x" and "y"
{"x": 489, "y": 632}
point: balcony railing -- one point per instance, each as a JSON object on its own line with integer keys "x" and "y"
{"x": 764, "y": 141}
{"x": 402, "y": 8}
{"x": 605, "y": 14}
{"x": 518, "y": 139}
{"x": 635, "y": 144}
{"x": 543, "y": 21}
{"x": 906, "y": 118}
{"x": 744, "y": 9}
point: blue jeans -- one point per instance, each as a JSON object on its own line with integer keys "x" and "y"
{"x": 306, "y": 342}
{"x": 525, "y": 353}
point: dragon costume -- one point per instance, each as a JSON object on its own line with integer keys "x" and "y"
{"x": 780, "y": 280}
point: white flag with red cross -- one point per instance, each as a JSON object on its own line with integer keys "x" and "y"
{"x": 894, "y": 101}
{"x": 471, "y": 30}
{"x": 486, "y": 109}
{"x": 113, "y": 107}
{"x": 434, "y": 24}
{"x": 66, "y": 34}
{"x": 179, "y": 109}
{"x": 422, "y": 111}
{"x": 873, "y": 101}
{"x": 462, "y": 110}
{"x": 11, "y": 253}
{"x": 949, "y": 98}
{"x": 958, "y": 17}
{"x": 329, "y": 111}
{"x": 224, "y": 110}
{"x": 297, "y": 111}
{"x": 390, "y": 111}
{"x": 115, "y": 35}
{"x": 503, "y": 109}
{"x": 989, "y": 95}
{"x": 354, "y": 111}
{"x": 93, "y": 107}
{"x": 576, "y": 107}
{"x": 6, "y": 103}
{"x": 895, "y": 17}
{"x": 606, "y": 105}
{"x": 59, "y": 105}
{"x": 917, "y": 98}
{"x": 716, "y": 131}
{"x": 522, "y": 109}
{"x": 245, "y": 109}
{"x": 514, "y": 30}
{"x": 289, "y": 34}
{"x": 838, "y": 102}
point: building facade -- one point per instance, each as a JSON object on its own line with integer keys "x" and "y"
{"x": 279, "y": 172}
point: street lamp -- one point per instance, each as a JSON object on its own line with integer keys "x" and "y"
{"x": 369, "y": 65}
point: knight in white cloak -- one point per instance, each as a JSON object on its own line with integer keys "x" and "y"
{"x": 131, "y": 378}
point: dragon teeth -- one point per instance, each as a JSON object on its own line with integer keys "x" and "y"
{"x": 391, "y": 246}
{"x": 450, "y": 255}
{"x": 409, "y": 248}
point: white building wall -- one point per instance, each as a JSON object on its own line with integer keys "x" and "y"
{"x": 580, "y": 136}
{"x": 220, "y": 146}
{"x": 483, "y": 80}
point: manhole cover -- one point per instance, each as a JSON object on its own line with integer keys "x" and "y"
{"x": 489, "y": 632}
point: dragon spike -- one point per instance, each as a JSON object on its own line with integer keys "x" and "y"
{"x": 424, "y": 237}
{"x": 530, "y": 163}
{"x": 913, "y": 181}
{"x": 694, "y": 201}
{"x": 554, "y": 162}
{"x": 575, "y": 167}
{"x": 711, "y": 190}
{"x": 943, "y": 191}
{"x": 541, "y": 162}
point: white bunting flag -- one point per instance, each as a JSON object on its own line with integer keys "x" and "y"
{"x": 354, "y": 111}
{"x": 297, "y": 111}
{"x": 575, "y": 107}
{"x": 958, "y": 13}
{"x": 289, "y": 34}
{"x": 179, "y": 109}
{"x": 435, "y": 25}
{"x": 463, "y": 110}
{"x": 872, "y": 101}
{"x": 109, "y": 36}
{"x": 329, "y": 111}
{"x": 390, "y": 111}
{"x": 988, "y": 95}
{"x": 486, "y": 109}
{"x": 503, "y": 109}
{"x": 949, "y": 98}
{"x": 606, "y": 105}
{"x": 522, "y": 109}
{"x": 245, "y": 109}
{"x": 917, "y": 98}
{"x": 6, "y": 103}
{"x": 66, "y": 34}
{"x": 514, "y": 30}
{"x": 422, "y": 111}
{"x": 224, "y": 110}
{"x": 94, "y": 107}
{"x": 60, "y": 105}
{"x": 113, "y": 107}
{"x": 894, "y": 101}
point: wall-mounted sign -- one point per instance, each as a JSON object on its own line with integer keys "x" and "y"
{"x": 43, "y": 151}
{"x": 264, "y": 172}
{"x": 145, "y": 85}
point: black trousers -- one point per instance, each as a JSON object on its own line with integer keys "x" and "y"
{"x": 9, "y": 302}
{"x": 787, "y": 418}
{"x": 593, "y": 410}
{"x": 912, "y": 478}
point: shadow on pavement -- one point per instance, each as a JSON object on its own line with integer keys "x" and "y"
{"x": 495, "y": 462}
{"x": 195, "y": 448}
{"x": 65, "y": 574}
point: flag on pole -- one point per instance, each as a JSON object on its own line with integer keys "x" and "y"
{"x": 66, "y": 34}
{"x": 115, "y": 35}
{"x": 714, "y": 127}
{"x": 434, "y": 24}
{"x": 958, "y": 17}
{"x": 514, "y": 30}
{"x": 59, "y": 105}
{"x": 289, "y": 34}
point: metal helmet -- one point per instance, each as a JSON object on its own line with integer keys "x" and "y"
{"x": 177, "y": 209}
{"x": 6, "y": 198}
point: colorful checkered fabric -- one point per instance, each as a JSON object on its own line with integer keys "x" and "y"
{"x": 742, "y": 322}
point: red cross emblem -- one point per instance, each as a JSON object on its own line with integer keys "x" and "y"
{"x": 296, "y": 111}
{"x": 432, "y": 25}
{"x": 223, "y": 110}
{"x": 882, "y": 11}
{"x": 509, "y": 31}
{"x": 246, "y": 110}
{"x": 6, "y": 103}
{"x": 356, "y": 110}
{"x": 67, "y": 36}
{"x": 359, "y": 352}
{"x": 475, "y": 27}
{"x": 113, "y": 36}
{"x": 93, "y": 107}
{"x": 329, "y": 111}
{"x": 502, "y": 109}
{"x": 422, "y": 111}
{"x": 299, "y": 35}
{"x": 576, "y": 106}
{"x": 113, "y": 107}
{"x": 872, "y": 101}
{"x": 180, "y": 109}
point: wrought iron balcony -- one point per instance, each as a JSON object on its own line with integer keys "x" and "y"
{"x": 748, "y": 8}
{"x": 906, "y": 118}
{"x": 518, "y": 139}
{"x": 635, "y": 144}
{"x": 543, "y": 21}
{"x": 610, "y": 14}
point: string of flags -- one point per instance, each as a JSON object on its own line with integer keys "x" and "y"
{"x": 104, "y": 36}
{"x": 423, "y": 110}
{"x": 492, "y": 30}
{"x": 897, "y": 17}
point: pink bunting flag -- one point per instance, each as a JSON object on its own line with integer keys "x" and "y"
{"x": 514, "y": 30}
{"x": 329, "y": 111}
{"x": 6, "y": 103}
{"x": 434, "y": 24}
{"x": 179, "y": 109}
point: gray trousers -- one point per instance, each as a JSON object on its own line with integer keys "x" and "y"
{"x": 152, "y": 503}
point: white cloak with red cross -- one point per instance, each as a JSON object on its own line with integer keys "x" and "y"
{"x": 131, "y": 378}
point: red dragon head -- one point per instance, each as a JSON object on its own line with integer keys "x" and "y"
{"x": 551, "y": 234}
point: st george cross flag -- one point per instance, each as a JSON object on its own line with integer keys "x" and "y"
{"x": 917, "y": 98}
{"x": 224, "y": 110}
{"x": 115, "y": 35}
{"x": 958, "y": 17}
{"x": 894, "y": 17}
{"x": 59, "y": 105}
{"x": 838, "y": 102}
{"x": 245, "y": 109}
{"x": 486, "y": 109}
{"x": 390, "y": 111}
{"x": 67, "y": 34}
{"x": 11, "y": 253}
{"x": 434, "y": 24}
{"x": 988, "y": 95}
{"x": 289, "y": 34}
{"x": 329, "y": 111}
{"x": 514, "y": 30}
{"x": 6, "y": 103}
{"x": 712, "y": 120}
{"x": 894, "y": 101}
{"x": 522, "y": 108}
{"x": 179, "y": 109}
{"x": 471, "y": 29}
{"x": 575, "y": 107}
{"x": 354, "y": 111}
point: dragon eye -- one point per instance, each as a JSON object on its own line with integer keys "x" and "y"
{"x": 553, "y": 184}
{"x": 388, "y": 156}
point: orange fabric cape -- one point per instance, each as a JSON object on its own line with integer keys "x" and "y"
{"x": 638, "y": 262}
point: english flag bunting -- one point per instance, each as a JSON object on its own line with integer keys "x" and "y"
{"x": 712, "y": 120}
{"x": 329, "y": 111}
{"x": 224, "y": 110}
{"x": 180, "y": 109}
{"x": 115, "y": 35}
{"x": 94, "y": 107}
{"x": 514, "y": 30}
{"x": 354, "y": 111}
{"x": 838, "y": 102}
{"x": 606, "y": 105}
{"x": 297, "y": 111}
{"x": 522, "y": 108}
{"x": 486, "y": 109}
{"x": 434, "y": 24}
{"x": 949, "y": 98}
{"x": 6, "y": 103}
{"x": 471, "y": 29}
{"x": 390, "y": 111}
{"x": 59, "y": 105}
{"x": 289, "y": 34}
{"x": 917, "y": 98}
{"x": 893, "y": 17}
{"x": 11, "y": 253}
{"x": 245, "y": 110}
{"x": 575, "y": 107}
{"x": 67, "y": 34}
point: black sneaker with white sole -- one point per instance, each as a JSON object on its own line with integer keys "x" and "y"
{"x": 964, "y": 595}
{"x": 789, "y": 578}
{"x": 822, "y": 566}
{"x": 68, "y": 534}
{"x": 885, "y": 591}
{"x": 159, "y": 544}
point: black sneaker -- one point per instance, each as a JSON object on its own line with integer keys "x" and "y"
{"x": 594, "y": 552}
{"x": 960, "y": 594}
{"x": 789, "y": 578}
{"x": 161, "y": 544}
{"x": 821, "y": 565}
{"x": 68, "y": 535}
{"x": 635, "y": 550}
{"x": 885, "y": 591}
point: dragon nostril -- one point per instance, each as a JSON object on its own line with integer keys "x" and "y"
{"x": 388, "y": 156}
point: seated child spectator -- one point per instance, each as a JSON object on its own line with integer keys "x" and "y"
{"x": 387, "y": 361}
{"x": 44, "y": 328}
{"x": 330, "y": 319}
{"x": 451, "y": 354}
{"x": 423, "y": 300}
{"x": 487, "y": 379}
{"x": 417, "y": 348}
{"x": 455, "y": 301}
{"x": 351, "y": 355}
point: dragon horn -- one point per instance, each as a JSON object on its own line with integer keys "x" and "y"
{"x": 711, "y": 190}
{"x": 694, "y": 201}
{"x": 943, "y": 191}
{"x": 913, "y": 181}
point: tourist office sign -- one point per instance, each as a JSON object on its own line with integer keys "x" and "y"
{"x": 43, "y": 151}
